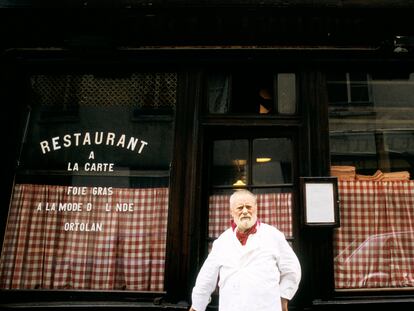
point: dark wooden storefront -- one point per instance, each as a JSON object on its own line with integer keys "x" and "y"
{"x": 192, "y": 38}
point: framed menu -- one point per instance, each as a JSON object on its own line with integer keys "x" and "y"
{"x": 320, "y": 201}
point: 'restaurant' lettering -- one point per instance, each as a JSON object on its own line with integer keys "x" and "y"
{"x": 88, "y": 139}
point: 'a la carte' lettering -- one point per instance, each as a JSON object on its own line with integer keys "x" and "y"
{"x": 88, "y": 139}
{"x": 92, "y": 167}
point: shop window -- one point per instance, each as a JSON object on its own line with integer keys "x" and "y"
{"x": 56, "y": 96}
{"x": 60, "y": 96}
{"x": 252, "y": 92}
{"x": 262, "y": 165}
{"x": 372, "y": 154}
{"x": 89, "y": 207}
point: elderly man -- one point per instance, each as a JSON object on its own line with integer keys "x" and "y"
{"x": 255, "y": 267}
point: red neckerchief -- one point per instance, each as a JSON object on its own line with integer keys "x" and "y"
{"x": 243, "y": 236}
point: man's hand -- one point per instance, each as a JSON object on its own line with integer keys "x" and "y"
{"x": 191, "y": 309}
{"x": 284, "y": 304}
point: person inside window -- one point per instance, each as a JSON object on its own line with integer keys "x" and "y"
{"x": 265, "y": 101}
{"x": 254, "y": 265}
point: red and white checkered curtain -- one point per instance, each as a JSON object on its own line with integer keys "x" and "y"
{"x": 128, "y": 253}
{"x": 273, "y": 208}
{"x": 374, "y": 247}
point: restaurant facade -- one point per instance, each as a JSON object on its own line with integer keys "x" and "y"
{"x": 128, "y": 124}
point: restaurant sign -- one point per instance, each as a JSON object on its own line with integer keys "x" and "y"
{"x": 88, "y": 139}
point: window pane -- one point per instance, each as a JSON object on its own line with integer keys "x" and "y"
{"x": 348, "y": 88}
{"x": 247, "y": 92}
{"x": 272, "y": 161}
{"x": 251, "y": 92}
{"x": 274, "y": 208}
{"x": 286, "y": 93}
{"x": 218, "y": 90}
{"x": 89, "y": 207}
{"x": 372, "y": 155}
{"x": 230, "y": 162}
{"x": 337, "y": 87}
{"x": 359, "y": 87}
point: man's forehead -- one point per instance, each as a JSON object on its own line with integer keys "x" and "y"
{"x": 244, "y": 198}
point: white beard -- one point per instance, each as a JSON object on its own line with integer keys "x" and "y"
{"x": 244, "y": 224}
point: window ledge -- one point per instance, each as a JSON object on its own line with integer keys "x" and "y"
{"x": 364, "y": 301}
{"x": 116, "y": 305}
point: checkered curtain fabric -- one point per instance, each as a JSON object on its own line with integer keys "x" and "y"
{"x": 374, "y": 247}
{"x": 273, "y": 208}
{"x": 127, "y": 254}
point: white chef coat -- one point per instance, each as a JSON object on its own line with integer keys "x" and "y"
{"x": 250, "y": 277}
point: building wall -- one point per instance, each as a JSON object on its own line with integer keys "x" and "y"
{"x": 112, "y": 40}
